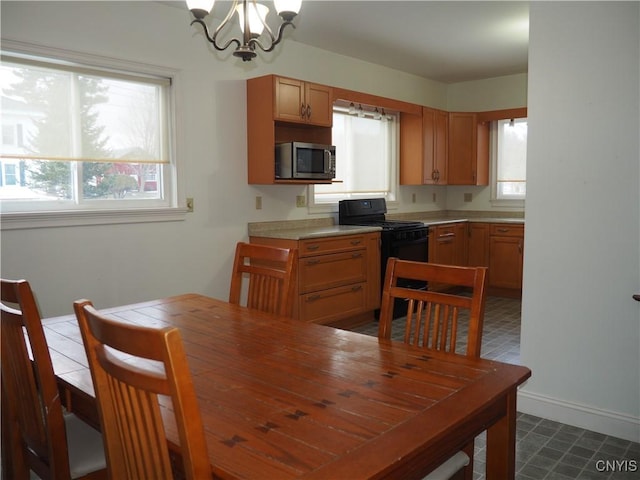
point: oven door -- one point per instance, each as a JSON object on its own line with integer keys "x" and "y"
{"x": 405, "y": 245}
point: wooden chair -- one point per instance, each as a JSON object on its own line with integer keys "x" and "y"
{"x": 37, "y": 434}
{"x": 432, "y": 322}
{"x": 271, "y": 275}
{"x": 140, "y": 364}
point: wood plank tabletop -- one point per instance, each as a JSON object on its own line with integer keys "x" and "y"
{"x": 285, "y": 399}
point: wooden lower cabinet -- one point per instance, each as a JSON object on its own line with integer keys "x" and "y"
{"x": 448, "y": 243}
{"x": 478, "y": 250}
{"x": 338, "y": 277}
{"x": 506, "y": 248}
{"x": 499, "y": 246}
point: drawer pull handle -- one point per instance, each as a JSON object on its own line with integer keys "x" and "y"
{"x": 314, "y": 261}
{"x": 451, "y": 234}
{"x": 355, "y": 288}
{"x": 356, "y": 242}
{"x": 313, "y": 298}
{"x": 503, "y": 230}
{"x": 313, "y": 247}
{"x": 356, "y": 255}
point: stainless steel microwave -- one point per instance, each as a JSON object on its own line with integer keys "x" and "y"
{"x": 305, "y": 161}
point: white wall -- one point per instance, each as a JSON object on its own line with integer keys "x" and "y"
{"x": 118, "y": 264}
{"x": 580, "y": 326}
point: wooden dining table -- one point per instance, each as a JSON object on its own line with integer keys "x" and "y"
{"x": 283, "y": 399}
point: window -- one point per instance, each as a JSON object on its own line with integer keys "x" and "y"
{"x": 78, "y": 138}
{"x": 366, "y": 157}
{"x": 509, "y": 161}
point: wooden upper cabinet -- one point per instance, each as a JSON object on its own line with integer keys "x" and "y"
{"x": 436, "y": 122}
{"x": 302, "y": 102}
{"x": 423, "y": 148}
{"x": 274, "y": 106}
{"x": 468, "y": 159}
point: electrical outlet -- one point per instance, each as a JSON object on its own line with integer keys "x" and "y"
{"x": 258, "y": 202}
{"x": 190, "y": 205}
{"x": 468, "y": 197}
{"x": 301, "y": 201}
{"x": 433, "y": 197}
{"x": 413, "y": 198}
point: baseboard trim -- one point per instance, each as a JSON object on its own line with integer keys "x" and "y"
{"x": 598, "y": 420}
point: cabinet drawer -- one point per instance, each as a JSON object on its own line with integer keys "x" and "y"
{"x": 330, "y": 244}
{"x": 331, "y": 270}
{"x": 506, "y": 230}
{"x": 334, "y": 303}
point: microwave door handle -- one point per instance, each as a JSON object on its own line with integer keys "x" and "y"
{"x": 327, "y": 160}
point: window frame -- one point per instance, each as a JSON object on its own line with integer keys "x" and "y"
{"x": 175, "y": 210}
{"x": 493, "y": 141}
{"x": 391, "y": 196}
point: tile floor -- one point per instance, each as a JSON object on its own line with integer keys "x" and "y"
{"x": 545, "y": 450}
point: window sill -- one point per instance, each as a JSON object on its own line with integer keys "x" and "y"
{"x": 29, "y": 220}
{"x": 507, "y": 203}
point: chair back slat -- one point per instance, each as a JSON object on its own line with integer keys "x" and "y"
{"x": 130, "y": 366}
{"x": 433, "y": 317}
{"x": 270, "y": 272}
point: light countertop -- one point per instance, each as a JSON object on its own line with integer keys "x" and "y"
{"x": 442, "y": 221}
{"x": 317, "y": 232}
{"x": 324, "y": 227}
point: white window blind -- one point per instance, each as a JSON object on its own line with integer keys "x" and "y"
{"x": 366, "y": 152}
{"x": 91, "y": 138}
{"x": 510, "y": 162}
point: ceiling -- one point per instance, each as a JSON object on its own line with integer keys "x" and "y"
{"x": 447, "y": 41}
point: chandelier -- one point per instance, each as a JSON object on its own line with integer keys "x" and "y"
{"x": 252, "y": 25}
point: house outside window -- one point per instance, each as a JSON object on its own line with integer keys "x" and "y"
{"x": 81, "y": 138}
{"x": 509, "y": 162}
{"x": 366, "y": 144}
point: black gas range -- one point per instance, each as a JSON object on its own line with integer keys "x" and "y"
{"x": 404, "y": 239}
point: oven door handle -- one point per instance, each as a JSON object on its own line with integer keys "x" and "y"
{"x": 401, "y": 243}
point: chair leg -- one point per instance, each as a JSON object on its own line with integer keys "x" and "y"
{"x": 467, "y": 472}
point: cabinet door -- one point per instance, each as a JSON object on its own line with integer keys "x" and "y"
{"x": 326, "y": 306}
{"x": 412, "y": 167}
{"x": 423, "y": 148}
{"x": 436, "y": 156}
{"x": 478, "y": 249}
{"x": 289, "y": 100}
{"x": 319, "y": 272}
{"x": 505, "y": 262}
{"x": 468, "y": 159}
{"x": 318, "y": 105}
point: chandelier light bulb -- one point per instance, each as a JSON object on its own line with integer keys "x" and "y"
{"x": 200, "y": 8}
{"x": 287, "y": 9}
{"x": 257, "y": 17}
